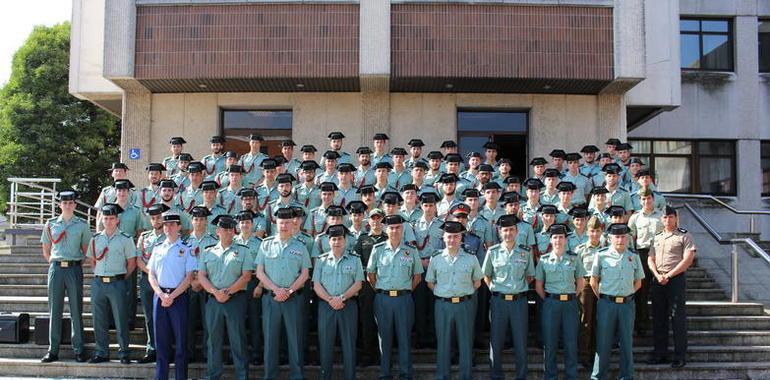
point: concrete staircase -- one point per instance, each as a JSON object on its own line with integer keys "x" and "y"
{"x": 726, "y": 341}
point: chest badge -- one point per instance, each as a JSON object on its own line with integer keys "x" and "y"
{"x": 181, "y": 252}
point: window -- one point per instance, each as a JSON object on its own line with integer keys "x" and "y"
{"x": 684, "y": 166}
{"x": 764, "y": 46}
{"x": 273, "y": 125}
{"x": 765, "y": 168}
{"x": 706, "y": 44}
{"x": 506, "y": 128}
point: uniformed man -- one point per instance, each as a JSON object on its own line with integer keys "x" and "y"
{"x": 228, "y": 197}
{"x": 145, "y": 245}
{"x": 329, "y": 167}
{"x": 644, "y": 182}
{"x": 490, "y": 154}
{"x": 672, "y": 254}
{"x": 418, "y": 171}
{"x": 644, "y": 225}
{"x": 334, "y": 215}
{"x": 113, "y": 257}
{"x": 367, "y": 329}
{"x": 131, "y": 218}
{"x": 176, "y": 144}
{"x": 434, "y": 168}
{"x": 448, "y": 193}
{"x": 337, "y": 279}
{"x": 285, "y": 184}
{"x": 381, "y": 177}
{"x": 245, "y": 221}
{"x": 346, "y": 192}
{"x": 291, "y": 164}
{"x": 394, "y": 270}
{"x": 367, "y": 193}
{"x": 118, "y": 171}
{"x": 582, "y": 184}
{"x": 415, "y": 151}
{"x": 428, "y": 234}
{"x": 267, "y": 192}
{"x": 380, "y": 154}
{"x": 335, "y": 144}
{"x": 364, "y": 174}
{"x": 315, "y": 223}
{"x": 222, "y": 177}
{"x": 283, "y": 265}
{"x": 589, "y": 167}
{"x": 192, "y": 194}
{"x": 215, "y": 162}
{"x": 449, "y": 148}
{"x": 508, "y": 270}
{"x": 616, "y": 195}
{"x": 454, "y": 275}
{"x": 604, "y": 160}
{"x": 182, "y": 175}
{"x": 167, "y": 197}
{"x": 559, "y": 277}
{"x": 357, "y": 218}
{"x": 308, "y": 154}
{"x": 538, "y": 167}
{"x": 615, "y": 276}
{"x": 209, "y": 190}
{"x": 578, "y": 217}
{"x": 453, "y": 163}
{"x": 171, "y": 270}
{"x": 598, "y": 205}
{"x": 557, "y": 159}
{"x": 65, "y": 241}
{"x": 610, "y": 147}
{"x": 198, "y": 240}
{"x": 529, "y": 210}
{"x": 150, "y": 195}
{"x": 306, "y": 192}
{"x": 224, "y": 272}
{"x": 410, "y": 209}
{"x": 249, "y": 202}
{"x": 250, "y": 162}
{"x": 550, "y": 195}
{"x": 400, "y": 175}
{"x": 586, "y": 253}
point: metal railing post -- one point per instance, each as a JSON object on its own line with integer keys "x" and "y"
{"x": 734, "y": 289}
{"x": 752, "y": 226}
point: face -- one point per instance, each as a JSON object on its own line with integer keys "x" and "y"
{"x": 594, "y": 234}
{"x": 255, "y": 145}
{"x": 612, "y": 179}
{"x": 209, "y": 195}
{"x": 550, "y": 182}
{"x": 381, "y": 174}
{"x": 644, "y": 181}
{"x": 604, "y": 161}
{"x": 452, "y": 241}
{"x": 624, "y": 154}
{"x": 452, "y": 167}
{"x": 428, "y": 208}
{"x": 647, "y": 202}
{"x": 634, "y": 168}
{"x": 379, "y": 145}
{"x": 573, "y": 166}
{"x": 247, "y": 203}
{"x": 390, "y": 208}
{"x": 617, "y": 219}
{"x": 184, "y": 164}
{"x": 589, "y": 156}
{"x": 549, "y": 218}
{"x": 216, "y": 148}
{"x": 364, "y": 159}
{"x": 122, "y": 195}
{"x": 284, "y": 189}
{"x": 337, "y": 242}
{"x": 284, "y": 225}
{"x": 367, "y": 198}
{"x": 415, "y": 151}
{"x": 434, "y": 163}
{"x": 344, "y": 177}
{"x": 539, "y": 169}
{"x": 491, "y": 195}
{"x": 669, "y": 221}
{"x": 474, "y": 162}
{"x": 398, "y": 160}
{"x": 332, "y": 220}
{"x": 356, "y": 217}
{"x": 565, "y": 197}
{"x": 579, "y": 223}
{"x": 270, "y": 174}
{"x": 600, "y": 198}
{"x": 156, "y": 221}
{"x": 473, "y": 202}
{"x": 505, "y": 168}
{"x": 490, "y": 155}
{"x": 196, "y": 177}
{"x": 533, "y": 195}
{"x": 418, "y": 173}
{"x": 512, "y": 208}
{"x": 309, "y": 175}
{"x": 118, "y": 174}
{"x": 330, "y": 165}
{"x": 225, "y": 234}
{"x": 235, "y": 179}
{"x": 167, "y": 194}
{"x": 245, "y": 226}
{"x": 153, "y": 176}
{"x": 287, "y": 151}
{"x": 449, "y": 187}
{"x": 171, "y": 229}
{"x": 557, "y": 161}
{"x": 375, "y": 222}
{"x": 110, "y": 222}
{"x": 327, "y": 197}
{"x": 609, "y": 148}
{"x": 335, "y": 144}
{"x": 410, "y": 196}
{"x": 619, "y": 242}
{"x": 558, "y": 242}
{"x": 508, "y": 234}
{"x": 176, "y": 149}
{"x": 231, "y": 161}
{"x": 67, "y": 207}
{"x": 394, "y": 231}
{"x": 308, "y": 156}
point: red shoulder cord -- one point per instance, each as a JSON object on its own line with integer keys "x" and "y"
{"x": 196, "y": 251}
{"x": 209, "y": 172}
{"x": 93, "y": 250}
{"x": 424, "y": 241}
{"x": 50, "y": 235}
{"x": 146, "y": 204}
{"x": 264, "y": 204}
{"x": 144, "y": 253}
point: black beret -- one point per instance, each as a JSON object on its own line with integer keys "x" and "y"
{"x": 157, "y": 209}
{"x": 415, "y": 143}
{"x": 538, "y": 161}
{"x": 200, "y": 212}
{"x": 309, "y": 165}
{"x": 123, "y": 184}
{"x": 589, "y": 149}
{"x": 363, "y": 150}
{"x": 393, "y": 219}
{"x": 224, "y": 221}
{"x": 336, "y": 230}
{"x": 112, "y": 209}
{"x": 167, "y": 183}
{"x": 217, "y": 140}
{"x": 453, "y": 227}
{"x": 558, "y": 229}
{"x": 177, "y": 141}
{"x": 336, "y": 136}
{"x": 195, "y": 167}
{"x": 155, "y": 167}
{"x": 435, "y": 155}
{"x": 209, "y": 185}
{"x": 380, "y": 136}
{"x": 328, "y": 186}
{"x": 508, "y": 220}
{"x": 308, "y": 149}
{"x": 618, "y": 229}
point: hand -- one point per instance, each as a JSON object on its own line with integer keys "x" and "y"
{"x": 662, "y": 279}
{"x": 196, "y": 286}
{"x": 336, "y": 303}
{"x": 257, "y": 292}
{"x": 221, "y": 296}
{"x": 281, "y": 294}
{"x": 167, "y": 301}
{"x": 665, "y": 279}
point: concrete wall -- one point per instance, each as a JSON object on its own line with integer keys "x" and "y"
{"x": 87, "y": 52}
{"x": 565, "y": 121}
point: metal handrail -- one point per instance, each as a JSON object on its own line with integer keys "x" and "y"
{"x": 751, "y": 213}
{"x": 38, "y": 206}
{"x": 734, "y": 254}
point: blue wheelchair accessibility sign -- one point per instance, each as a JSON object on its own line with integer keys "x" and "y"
{"x": 134, "y": 153}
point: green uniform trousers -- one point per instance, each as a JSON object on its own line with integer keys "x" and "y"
{"x": 459, "y": 317}
{"x": 616, "y": 322}
{"x": 230, "y": 314}
{"x": 197, "y": 310}
{"x": 560, "y": 322}
{"x": 254, "y": 322}
{"x": 506, "y": 315}
{"x": 332, "y": 323}
{"x": 63, "y": 281}
{"x": 106, "y": 296}
{"x": 287, "y": 317}
{"x": 146, "y": 295}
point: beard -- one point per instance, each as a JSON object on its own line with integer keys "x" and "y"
{"x": 285, "y": 194}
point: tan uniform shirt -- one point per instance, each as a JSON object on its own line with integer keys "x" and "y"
{"x": 670, "y": 247}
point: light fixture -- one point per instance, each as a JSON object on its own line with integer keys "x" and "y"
{"x": 449, "y": 86}
{"x": 202, "y": 85}
{"x": 300, "y": 85}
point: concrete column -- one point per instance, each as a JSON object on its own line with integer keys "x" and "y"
{"x": 610, "y": 117}
{"x": 374, "y": 67}
{"x": 749, "y": 174}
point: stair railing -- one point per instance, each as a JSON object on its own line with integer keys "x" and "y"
{"x": 33, "y": 201}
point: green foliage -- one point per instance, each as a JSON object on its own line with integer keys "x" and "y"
{"x": 45, "y": 131}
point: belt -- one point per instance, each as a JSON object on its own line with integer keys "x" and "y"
{"x": 508, "y": 297}
{"x": 455, "y": 299}
{"x": 560, "y": 297}
{"x": 392, "y": 293}
{"x": 66, "y": 264}
{"x": 617, "y": 299}
{"x": 109, "y": 279}
{"x": 167, "y": 290}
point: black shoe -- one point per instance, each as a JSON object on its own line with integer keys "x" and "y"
{"x": 678, "y": 364}
{"x": 149, "y": 358}
{"x": 81, "y": 357}
{"x": 49, "y": 357}
{"x": 656, "y": 360}
{"x": 98, "y": 359}
{"x": 125, "y": 361}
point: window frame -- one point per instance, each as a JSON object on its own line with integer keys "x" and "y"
{"x": 759, "y": 58}
{"x": 761, "y": 157}
{"x": 694, "y": 158}
{"x": 730, "y": 41}
{"x": 269, "y": 140}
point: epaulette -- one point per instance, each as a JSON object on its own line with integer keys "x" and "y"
{"x": 436, "y": 252}
{"x": 353, "y": 253}
{"x": 125, "y": 234}
{"x": 682, "y": 230}
{"x": 215, "y": 237}
{"x": 145, "y": 233}
{"x": 98, "y": 233}
{"x": 209, "y": 246}
{"x": 242, "y": 245}
{"x": 525, "y": 247}
{"x": 411, "y": 244}
{"x": 479, "y": 216}
{"x": 272, "y": 237}
{"x": 571, "y": 253}
{"x": 379, "y": 244}
{"x": 473, "y": 234}
{"x": 325, "y": 254}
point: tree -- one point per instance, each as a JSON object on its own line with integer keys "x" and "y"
{"x": 45, "y": 131}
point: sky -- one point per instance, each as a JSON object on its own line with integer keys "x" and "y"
{"x": 17, "y": 18}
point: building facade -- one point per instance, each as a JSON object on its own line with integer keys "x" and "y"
{"x": 682, "y": 80}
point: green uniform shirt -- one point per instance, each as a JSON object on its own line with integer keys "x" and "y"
{"x": 189, "y": 198}
{"x": 146, "y": 242}
{"x": 66, "y": 238}
{"x": 213, "y": 164}
{"x": 307, "y": 196}
{"x": 111, "y": 253}
{"x": 252, "y": 243}
{"x": 229, "y": 200}
{"x": 198, "y": 245}
{"x": 574, "y": 240}
{"x": 305, "y": 240}
{"x": 508, "y": 269}
{"x": 411, "y": 216}
{"x": 483, "y": 228}
{"x": 224, "y": 266}
{"x": 345, "y": 196}
{"x": 131, "y": 220}
{"x": 283, "y": 261}
{"x": 453, "y": 276}
{"x": 587, "y": 253}
{"x": 315, "y": 222}
{"x": 394, "y": 267}
{"x": 337, "y": 275}
{"x": 365, "y": 244}
{"x": 617, "y": 271}
{"x": 250, "y": 164}
{"x": 549, "y": 199}
{"x": 620, "y": 197}
{"x": 428, "y": 235}
{"x": 321, "y": 244}
{"x": 644, "y": 227}
{"x": 559, "y": 275}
